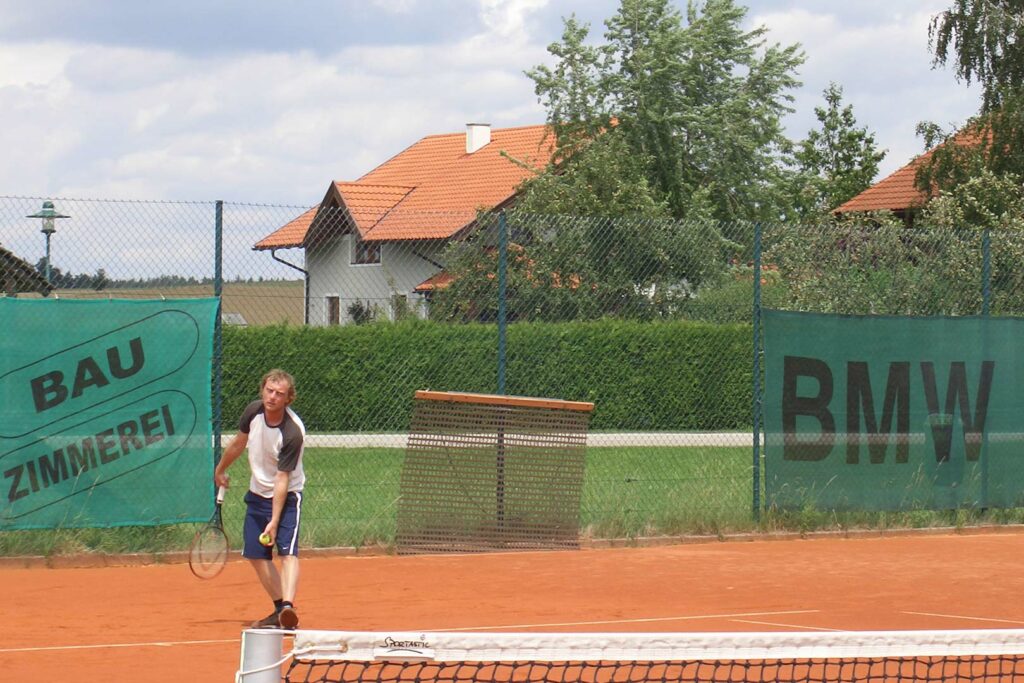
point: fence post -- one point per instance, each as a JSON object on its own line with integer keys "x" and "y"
{"x": 986, "y": 271}
{"x": 502, "y": 323}
{"x": 986, "y": 301}
{"x": 757, "y": 374}
{"x": 218, "y": 342}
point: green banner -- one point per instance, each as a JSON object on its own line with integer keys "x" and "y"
{"x": 105, "y": 412}
{"x": 893, "y": 413}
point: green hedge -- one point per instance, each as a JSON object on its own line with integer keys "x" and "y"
{"x": 679, "y": 375}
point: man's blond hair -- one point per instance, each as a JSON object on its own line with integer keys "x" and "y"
{"x": 278, "y": 375}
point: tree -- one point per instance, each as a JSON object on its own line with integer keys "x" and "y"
{"x": 571, "y": 92}
{"x": 699, "y": 104}
{"x": 604, "y": 177}
{"x": 100, "y": 281}
{"x": 996, "y": 204}
{"x": 58, "y": 278}
{"x": 665, "y": 129}
{"x": 985, "y": 41}
{"x": 836, "y": 161}
{"x": 984, "y": 201}
{"x": 579, "y": 267}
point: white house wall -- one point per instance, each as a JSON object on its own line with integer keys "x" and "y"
{"x": 332, "y": 273}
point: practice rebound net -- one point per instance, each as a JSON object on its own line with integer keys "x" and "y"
{"x": 978, "y": 656}
{"x": 486, "y": 473}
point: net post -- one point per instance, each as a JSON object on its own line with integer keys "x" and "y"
{"x": 261, "y": 656}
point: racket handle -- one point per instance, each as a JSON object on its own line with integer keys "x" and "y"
{"x": 221, "y": 490}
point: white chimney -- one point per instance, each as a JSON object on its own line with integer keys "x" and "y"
{"x": 477, "y": 135}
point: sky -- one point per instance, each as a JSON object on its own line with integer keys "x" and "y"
{"x": 268, "y": 102}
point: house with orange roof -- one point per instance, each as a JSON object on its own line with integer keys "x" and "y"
{"x": 377, "y": 243}
{"x": 898, "y": 192}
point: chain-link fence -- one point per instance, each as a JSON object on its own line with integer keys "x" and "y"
{"x": 652, "y": 320}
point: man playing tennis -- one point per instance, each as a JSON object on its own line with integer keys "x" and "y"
{"x": 274, "y": 435}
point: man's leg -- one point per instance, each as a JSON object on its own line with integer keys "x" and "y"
{"x": 289, "y": 582}
{"x": 288, "y": 534}
{"x": 269, "y": 578}
{"x": 271, "y": 582}
{"x": 289, "y": 577}
{"x": 257, "y": 515}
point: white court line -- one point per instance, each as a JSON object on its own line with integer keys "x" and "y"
{"x": 790, "y": 626}
{"x": 961, "y": 616}
{"x": 619, "y": 621}
{"x": 159, "y": 643}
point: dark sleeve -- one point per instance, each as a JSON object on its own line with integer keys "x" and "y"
{"x": 291, "y": 446}
{"x": 251, "y": 411}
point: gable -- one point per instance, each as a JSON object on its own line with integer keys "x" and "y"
{"x": 368, "y": 203}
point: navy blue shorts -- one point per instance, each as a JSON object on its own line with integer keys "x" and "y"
{"x": 258, "y": 513}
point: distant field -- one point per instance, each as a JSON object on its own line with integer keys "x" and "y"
{"x": 258, "y": 303}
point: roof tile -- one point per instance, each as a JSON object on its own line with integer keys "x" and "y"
{"x": 434, "y": 188}
{"x": 899, "y": 191}
{"x": 289, "y": 235}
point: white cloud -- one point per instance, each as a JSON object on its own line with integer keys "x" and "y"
{"x": 269, "y": 126}
{"x": 28, "y": 64}
{"x": 98, "y": 120}
{"x": 87, "y": 118}
{"x": 883, "y": 64}
{"x": 508, "y": 18}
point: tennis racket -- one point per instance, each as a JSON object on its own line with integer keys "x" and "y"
{"x": 209, "y": 551}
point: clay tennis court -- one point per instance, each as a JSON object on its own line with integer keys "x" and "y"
{"x": 158, "y": 623}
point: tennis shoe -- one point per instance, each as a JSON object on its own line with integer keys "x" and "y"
{"x": 288, "y": 618}
{"x": 269, "y": 621}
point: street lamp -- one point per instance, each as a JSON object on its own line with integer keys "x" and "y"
{"x": 48, "y": 215}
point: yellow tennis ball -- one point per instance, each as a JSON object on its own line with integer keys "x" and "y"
{"x": 265, "y": 539}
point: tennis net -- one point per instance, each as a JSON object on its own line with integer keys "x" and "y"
{"x": 491, "y": 473}
{"x": 978, "y": 656}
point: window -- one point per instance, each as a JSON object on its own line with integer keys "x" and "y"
{"x": 365, "y": 253}
{"x": 333, "y": 310}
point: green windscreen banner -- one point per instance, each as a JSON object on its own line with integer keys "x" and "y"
{"x": 893, "y": 413}
{"x": 105, "y": 412}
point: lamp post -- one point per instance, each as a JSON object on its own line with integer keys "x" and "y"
{"x": 48, "y": 215}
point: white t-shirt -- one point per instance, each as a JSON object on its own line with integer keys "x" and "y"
{"x": 273, "y": 449}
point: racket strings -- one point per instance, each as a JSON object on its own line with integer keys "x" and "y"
{"x": 209, "y": 552}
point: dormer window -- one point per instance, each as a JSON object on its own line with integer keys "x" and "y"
{"x": 365, "y": 253}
